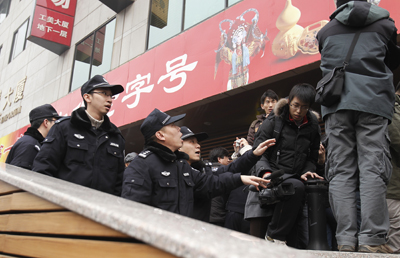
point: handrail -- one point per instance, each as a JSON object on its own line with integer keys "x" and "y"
{"x": 173, "y": 233}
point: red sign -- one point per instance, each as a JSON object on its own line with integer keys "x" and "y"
{"x": 67, "y": 7}
{"x": 248, "y": 42}
{"x": 52, "y": 24}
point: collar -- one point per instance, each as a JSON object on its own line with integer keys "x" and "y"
{"x": 305, "y": 120}
{"x": 165, "y": 153}
{"x": 33, "y": 132}
{"x": 95, "y": 123}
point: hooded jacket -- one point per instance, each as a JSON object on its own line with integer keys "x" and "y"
{"x": 24, "y": 151}
{"x": 163, "y": 179}
{"x": 77, "y": 152}
{"x": 368, "y": 77}
{"x": 296, "y": 151}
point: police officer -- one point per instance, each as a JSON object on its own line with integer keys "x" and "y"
{"x": 86, "y": 148}
{"x": 191, "y": 146}
{"x": 161, "y": 177}
{"x": 27, "y": 147}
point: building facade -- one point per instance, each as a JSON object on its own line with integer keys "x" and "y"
{"x": 211, "y": 59}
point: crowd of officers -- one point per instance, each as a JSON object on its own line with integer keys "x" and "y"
{"x": 87, "y": 149}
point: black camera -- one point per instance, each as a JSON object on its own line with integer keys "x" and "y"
{"x": 276, "y": 189}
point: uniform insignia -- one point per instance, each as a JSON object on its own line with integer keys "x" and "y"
{"x": 145, "y": 153}
{"x": 80, "y": 137}
{"x": 165, "y": 173}
{"x": 214, "y": 169}
{"x": 185, "y": 174}
{"x": 114, "y": 144}
{"x": 37, "y": 147}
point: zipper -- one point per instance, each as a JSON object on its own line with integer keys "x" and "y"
{"x": 278, "y": 153}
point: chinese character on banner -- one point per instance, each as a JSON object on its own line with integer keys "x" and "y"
{"x": 137, "y": 87}
{"x": 40, "y": 27}
{"x": 7, "y": 97}
{"x": 19, "y": 91}
{"x": 64, "y": 3}
{"x": 181, "y": 68}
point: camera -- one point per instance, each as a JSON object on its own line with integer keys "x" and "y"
{"x": 237, "y": 142}
{"x": 276, "y": 189}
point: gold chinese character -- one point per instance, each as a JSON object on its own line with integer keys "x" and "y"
{"x": 7, "y": 97}
{"x": 19, "y": 91}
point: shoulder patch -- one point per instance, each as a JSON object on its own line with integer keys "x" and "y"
{"x": 62, "y": 119}
{"x": 144, "y": 154}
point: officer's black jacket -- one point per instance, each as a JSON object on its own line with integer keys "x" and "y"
{"x": 202, "y": 202}
{"x": 77, "y": 152}
{"x": 163, "y": 179}
{"x": 25, "y": 149}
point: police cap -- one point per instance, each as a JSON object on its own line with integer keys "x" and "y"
{"x": 186, "y": 133}
{"x": 99, "y": 81}
{"x": 157, "y": 120}
{"x": 43, "y": 111}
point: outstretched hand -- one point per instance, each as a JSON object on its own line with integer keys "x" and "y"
{"x": 310, "y": 174}
{"x": 253, "y": 180}
{"x": 262, "y": 147}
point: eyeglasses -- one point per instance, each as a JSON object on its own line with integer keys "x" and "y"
{"x": 301, "y": 108}
{"x": 104, "y": 94}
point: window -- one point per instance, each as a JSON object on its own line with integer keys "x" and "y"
{"x": 19, "y": 40}
{"x": 170, "y": 17}
{"x": 90, "y": 60}
{"x": 4, "y": 8}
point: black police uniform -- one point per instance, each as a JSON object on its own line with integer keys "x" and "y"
{"x": 202, "y": 203}
{"x": 163, "y": 179}
{"x": 25, "y": 149}
{"x": 77, "y": 152}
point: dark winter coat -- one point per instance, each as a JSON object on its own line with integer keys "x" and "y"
{"x": 368, "y": 83}
{"x": 77, "y": 152}
{"x": 25, "y": 149}
{"x": 296, "y": 150}
{"x": 202, "y": 203}
{"x": 163, "y": 179}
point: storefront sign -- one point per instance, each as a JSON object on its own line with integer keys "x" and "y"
{"x": 52, "y": 24}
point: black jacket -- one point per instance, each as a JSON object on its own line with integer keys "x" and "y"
{"x": 163, "y": 179}
{"x": 202, "y": 203}
{"x": 25, "y": 149}
{"x": 77, "y": 152}
{"x": 296, "y": 151}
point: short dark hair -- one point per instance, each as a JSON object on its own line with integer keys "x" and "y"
{"x": 36, "y": 123}
{"x": 304, "y": 92}
{"x": 269, "y": 94}
{"x": 219, "y": 152}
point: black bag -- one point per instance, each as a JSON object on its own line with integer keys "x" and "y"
{"x": 329, "y": 88}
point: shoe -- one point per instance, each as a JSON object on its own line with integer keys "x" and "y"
{"x": 383, "y": 249}
{"x": 276, "y": 241}
{"x": 346, "y": 248}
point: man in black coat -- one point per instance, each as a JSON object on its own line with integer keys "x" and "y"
{"x": 295, "y": 152}
{"x": 24, "y": 151}
{"x": 86, "y": 148}
{"x": 161, "y": 177}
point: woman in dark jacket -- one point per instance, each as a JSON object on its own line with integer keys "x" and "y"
{"x": 296, "y": 152}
